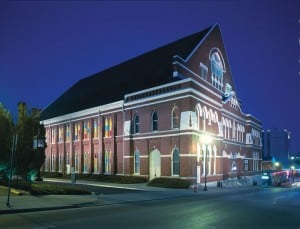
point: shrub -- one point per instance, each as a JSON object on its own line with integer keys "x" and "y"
{"x": 56, "y": 189}
{"x": 51, "y": 174}
{"x": 117, "y": 179}
{"x": 98, "y": 177}
{"x": 169, "y": 183}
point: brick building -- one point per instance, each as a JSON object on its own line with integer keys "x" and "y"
{"x": 147, "y": 117}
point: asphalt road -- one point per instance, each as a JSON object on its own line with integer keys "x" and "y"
{"x": 266, "y": 208}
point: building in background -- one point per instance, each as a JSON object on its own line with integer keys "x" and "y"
{"x": 148, "y": 117}
{"x": 276, "y": 146}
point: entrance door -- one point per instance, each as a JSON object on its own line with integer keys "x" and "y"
{"x": 154, "y": 167}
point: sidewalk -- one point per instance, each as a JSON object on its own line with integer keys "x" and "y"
{"x": 29, "y": 203}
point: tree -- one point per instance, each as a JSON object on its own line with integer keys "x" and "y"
{"x": 6, "y": 132}
{"x": 28, "y": 128}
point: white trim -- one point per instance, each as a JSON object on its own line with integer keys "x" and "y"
{"x": 163, "y": 135}
{"x": 186, "y": 90}
{"x": 156, "y": 88}
{"x": 199, "y": 77}
{"x": 127, "y": 156}
{"x": 188, "y": 155}
{"x": 200, "y": 43}
{"x": 84, "y": 113}
{"x": 144, "y": 156}
{"x": 165, "y": 156}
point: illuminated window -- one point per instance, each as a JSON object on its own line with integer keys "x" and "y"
{"x": 77, "y": 159}
{"x": 60, "y": 134}
{"x": 233, "y": 167}
{"x": 68, "y": 133}
{"x": 154, "y": 122}
{"x": 52, "y": 165}
{"x": 176, "y": 163}
{"x": 255, "y": 161}
{"x": 107, "y": 162}
{"x": 246, "y": 165}
{"x": 53, "y": 136}
{"x": 67, "y": 158}
{"x": 203, "y": 71}
{"x": 96, "y": 128}
{"x": 86, "y": 130}
{"x": 175, "y": 118}
{"x": 95, "y": 162}
{"x": 107, "y": 127}
{"x": 136, "y": 124}
{"x": 137, "y": 162}
{"x": 76, "y": 136}
{"x": 217, "y": 70}
{"x": 47, "y": 137}
{"x": 60, "y": 161}
{"x": 85, "y": 162}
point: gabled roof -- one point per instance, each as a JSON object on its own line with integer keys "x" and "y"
{"x": 151, "y": 69}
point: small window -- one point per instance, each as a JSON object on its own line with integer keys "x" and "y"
{"x": 137, "y": 162}
{"x": 203, "y": 71}
{"x": 154, "y": 121}
{"x": 136, "y": 124}
{"x": 176, "y": 167}
{"x": 246, "y": 165}
{"x": 175, "y": 118}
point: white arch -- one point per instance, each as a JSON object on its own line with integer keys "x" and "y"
{"x": 154, "y": 164}
{"x": 216, "y": 117}
{"x": 215, "y": 49}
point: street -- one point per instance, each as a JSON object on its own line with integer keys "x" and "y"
{"x": 263, "y": 208}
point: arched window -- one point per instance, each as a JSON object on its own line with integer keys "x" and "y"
{"x": 137, "y": 162}
{"x": 175, "y": 118}
{"x": 176, "y": 163}
{"x": 217, "y": 69}
{"x": 154, "y": 122}
{"x": 136, "y": 124}
{"x": 199, "y": 115}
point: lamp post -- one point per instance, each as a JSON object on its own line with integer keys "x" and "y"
{"x": 206, "y": 139}
{"x": 13, "y": 149}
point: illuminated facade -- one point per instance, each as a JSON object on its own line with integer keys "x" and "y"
{"x": 146, "y": 117}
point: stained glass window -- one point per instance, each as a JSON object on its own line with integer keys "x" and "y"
{"x": 96, "y": 129}
{"x": 86, "y": 130}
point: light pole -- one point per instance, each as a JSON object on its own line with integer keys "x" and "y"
{"x": 206, "y": 139}
{"x": 13, "y": 149}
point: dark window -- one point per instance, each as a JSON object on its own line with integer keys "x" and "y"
{"x": 154, "y": 121}
{"x": 176, "y": 163}
{"x": 136, "y": 124}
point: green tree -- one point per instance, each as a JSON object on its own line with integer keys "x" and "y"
{"x": 29, "y": 158}
{"x": 6, "y": 131}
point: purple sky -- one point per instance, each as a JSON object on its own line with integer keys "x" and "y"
{"x": 47, "y": 46}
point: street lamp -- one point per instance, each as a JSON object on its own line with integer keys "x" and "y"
{"x": 206, "y": 139}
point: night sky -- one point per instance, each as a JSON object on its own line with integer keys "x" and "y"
{"x": 47, "y": 46}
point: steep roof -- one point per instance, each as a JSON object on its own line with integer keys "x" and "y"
{"x": 148, "y": 70}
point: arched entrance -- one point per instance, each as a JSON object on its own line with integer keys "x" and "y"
{"x": 154, "y": 164}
